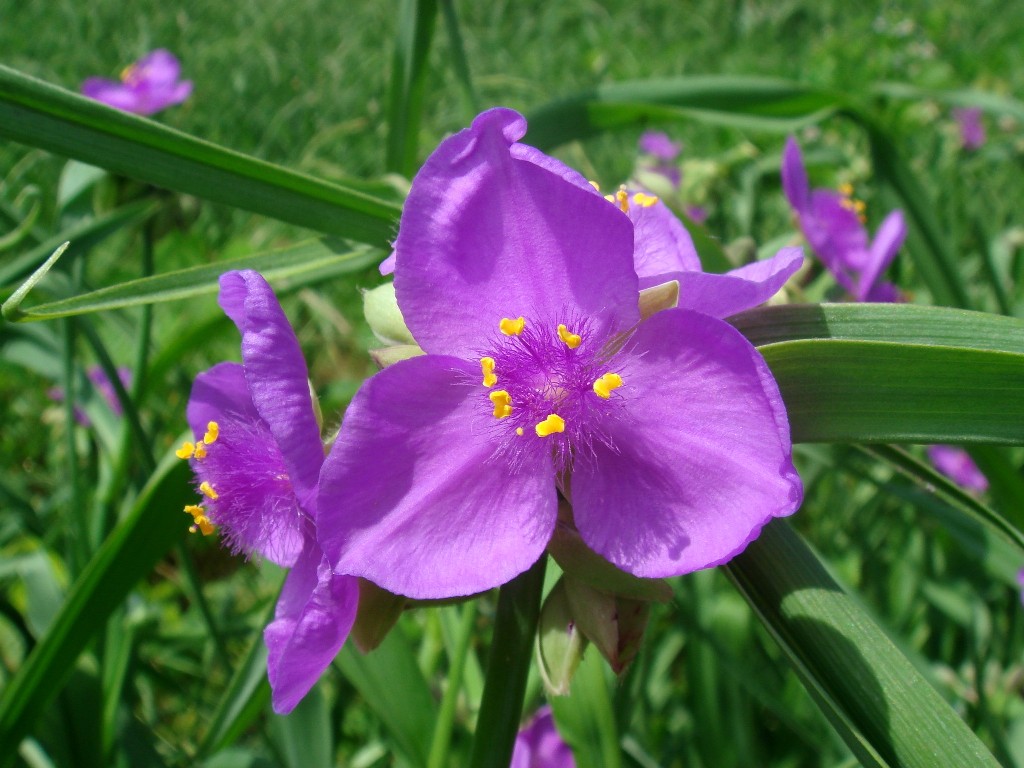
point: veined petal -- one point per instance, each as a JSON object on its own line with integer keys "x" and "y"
{"x": 416, "y": 495}
{"x": 314, "y": 615}
{"x": 724, "y": 295}
{"x": 218, "y": 393}
{"x": 700, "y": 458}
{"x": 276, "y": 374}
{"x": 662, "y": 248}
{"x": 887, "y": 243}
{"x": 485, "y": 235}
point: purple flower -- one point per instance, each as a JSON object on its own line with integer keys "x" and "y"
{"x": 957, "y": 465}
{"x": 517, "y": 279}
{"x": 147, "y": 86}
{"x": 102, "y": 384}
{"x": 1020, "y": 584}
{"x": 972, "y": 132}
{"x": 660, "y": 147}
{"x": 832, "y": 223}
{"x": 538, "y": 744}
{"x": 256, "y": 459}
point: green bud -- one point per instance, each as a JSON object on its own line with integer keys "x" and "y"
{"x": 560, "y": 645}
{"x": 378, "y": 613}
{"x": 614, "y": 624}
{"x": 384, "y": 317}
{"x": 386, "y": 356}
{"x": 659, "y": 297}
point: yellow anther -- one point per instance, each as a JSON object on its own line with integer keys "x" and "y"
{"x": 519, "y": 431}
{"x": 512, "y": 327}
{"x": 186, "y": 451}
{"x": 207, "y": 490}
{"x": 604, "y": 386}
{"x": 595, "y": 185}
{"x": 553, "y": 423}
{"x": 487, "y": 366}
{"x": 846, "y": 189}
{"x": 200, "y": 451}
{"x": 643, "y": 200}
{"x": 502, "y": 403}
{"x": 212, "y": 432}
{"x": 622, "y": 198}
{"x": 200, "y": 522}
{"x": 572, "y": 340}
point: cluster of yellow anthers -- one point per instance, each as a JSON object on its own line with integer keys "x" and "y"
{"x": 621, "y": 197}
{"x": 850, "y": 203}
{"x": 190, "y": 450}
{"x": 502, "y": 400}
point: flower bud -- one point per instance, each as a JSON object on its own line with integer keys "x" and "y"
{"x": 614, "y": 624}
{"x": 384, "y": 317}
{"x": 559, "y": 645}
{"x": 378, "y": 613}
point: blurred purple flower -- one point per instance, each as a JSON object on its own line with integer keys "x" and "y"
{"x": 256, "y": 460}
{"x": 832, "y": 223}
{"x": 538, "y": 744}
{"x": 972, "y": 132}
{"x": 147, "y": 86}
{"x": 698, "y": 213}
{"x": 520, "y": 282}
{"x": 957, "y": 465}
{"x": 660, "y": 147}
{"x": 103, "y": 386}
{"x": 1020, "y": 583}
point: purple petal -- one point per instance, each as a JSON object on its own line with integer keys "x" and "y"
{"x": 956, "y": 464}
{"x": 111, "y": 93}
{"x": 276, "y": 374}
{"x": 486, "y": 235}
{"x": 701, "y": 458}
{"x": 972, "y": 132}
{"x": 217, "y": 394}
{"x": 313, "y": 617}
{"x": 794, "y": 177}
{"x": 539, "y": 745}
{"x": 159, "y": 66}
{"x": 662, "y": 246}
{"x": 659, "y": 145}
{"x": 724, "y": 295}
{"x": 887, "y": 243}
{"x": 388, "y": 265}
{"x": 413, "y": 495}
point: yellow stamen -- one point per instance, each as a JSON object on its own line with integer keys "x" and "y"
{"x": 595, "y": 185}
{"x": 519, "y": 431}
{"x": 200, "y": 451}
{"x": 200, "y": 522}
{"x": 552, "y": 424}
{"x": 502, "y": 403}
{"x": 487, "y": 366}
{"x": 604, "y": 386}
{"x": 212, "y": 432}
{"x": 186, "y": 451}
{"x": 622, "y": 198}
{"x": 512, "y": 327}
{"x": 572, "y": 340}
{"x": 846, "y": 189}
{"x": 643, "y": 200}
{"x": 129, "y": 73}
{"x": 207, "y": 490}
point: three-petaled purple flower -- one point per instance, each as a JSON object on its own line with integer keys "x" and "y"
{"x": 149, "y": 85}
{"x": 832, "y": 223}
{"x": 256, "y": 458}
{"x": 539, "y": 745}
{"x": 517, "y": 278}
{"x": 664, "y": 151}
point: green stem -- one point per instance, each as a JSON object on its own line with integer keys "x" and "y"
{"x": 514, "y": 628}
{"x": 446, "y": 716}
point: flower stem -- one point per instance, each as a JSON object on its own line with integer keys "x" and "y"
{"x": 514, "y": 628}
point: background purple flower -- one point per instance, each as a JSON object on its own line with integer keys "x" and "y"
{"x": 518, "y": 280}
{"x": 957, "y": 465}
{"x": 972, "y": 132}
{"x": 98, "y": 377}
{"x": 149, "y": 85}
{"x": 663, "y": 150}
{"x": 832, "y": 224}
{"x": 257, "y": 457}
{"x": 539, "y": 745}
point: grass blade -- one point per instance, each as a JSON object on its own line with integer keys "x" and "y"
{"x": 409, "y": 70}
{"x": 42, "y": 115}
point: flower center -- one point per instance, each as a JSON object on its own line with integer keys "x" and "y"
{"x": 552, "y": 382}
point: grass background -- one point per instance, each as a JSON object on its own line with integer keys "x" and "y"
{"x": 304, "y": 84}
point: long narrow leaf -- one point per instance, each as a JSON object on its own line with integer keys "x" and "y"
{"x": 409, "y": 71}
{"x": 42, "y": 115}
{"x": 885, "y": 711}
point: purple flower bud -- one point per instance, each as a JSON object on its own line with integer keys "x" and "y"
{"x": 149, "y": 85}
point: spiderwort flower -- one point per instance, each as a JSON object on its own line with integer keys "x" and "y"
{"x": 539, "y": 745}
{"x": 517, "y": 279}
{"x": 663, "y": 151}
{"x": 256, "y": 458}
{"x": 149, "y": 85}
{"x": 101, "y": 383}
{"x": 833, "y": 224}
{"x": 957, "y": 465}
{"x": 972, "y": 132}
